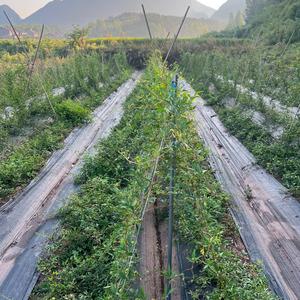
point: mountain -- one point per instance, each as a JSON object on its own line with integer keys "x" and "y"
{"x": 229, "y": 8}
{"x": 133, "y": 25}
{"x": 15, "y": 18}
{"x": 82, "y": 12}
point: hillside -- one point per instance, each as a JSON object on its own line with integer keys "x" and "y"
{"x": 133, "y": 25}
{"x": 231, "y": 7}
{"x": 15, "y": 18}
{"x": 274, "y": 21}
{"x": 70, "y": 12}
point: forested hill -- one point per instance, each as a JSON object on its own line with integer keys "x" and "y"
{"x": 133, "y": 25}
{"x": 273, "y": 21}
{"x": 231, "y": 7}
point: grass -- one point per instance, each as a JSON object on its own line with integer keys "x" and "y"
{"x": 24, "y": 162}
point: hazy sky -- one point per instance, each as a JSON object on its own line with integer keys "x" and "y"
{"x": 26, "y": 7}
{"x": 213, "y": 3}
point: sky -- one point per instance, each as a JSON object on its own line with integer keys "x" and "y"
{"x": 213, "y": 3}
{"x": 25, "y": 7}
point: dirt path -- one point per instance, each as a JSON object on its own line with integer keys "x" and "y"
{"x": 267, "y": 216}
{"x": 27, "y": 221}
{"x": 153, "y": 254}
{"x": 151, "y": 264}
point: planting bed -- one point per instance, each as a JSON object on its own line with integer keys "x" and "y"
{"x": 27, "y": 221}
{"x": 269, "y": 129}
{"x": 267, "y": 216}
{"x": 112, "y": 244}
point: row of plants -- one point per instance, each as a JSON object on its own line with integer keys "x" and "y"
{"x": 136, "y": 49}
{"x": 94, "y": 255}
{"x": 39, "y": 125}
{"x": 13, "y": 51}
{"x": 80, "y": 73}
{"x": 271, "y": 71}
{"x": 280, "y": 155}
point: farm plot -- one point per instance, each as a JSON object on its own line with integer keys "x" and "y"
{"x": 35, "y": 119}
{"x": 236, "y": 90}
{"x": 27, "y": 221}
{"x": 266, "y": 215}
{"x": 100, "y": 252}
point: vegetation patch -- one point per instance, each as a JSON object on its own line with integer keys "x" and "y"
{"x": 38, "y": 124}
{"x": 279, "y": 156}
{"x": 72, "y": 112}
{"x": 95, "y": 257}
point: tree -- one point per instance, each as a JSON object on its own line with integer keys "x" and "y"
{"x": 235, "y": 21}
{"x": 253, "y": 7}
{"x": 231, "y": 22}
{"x": 239, "y": 20}
{"x": 77, "y": 38}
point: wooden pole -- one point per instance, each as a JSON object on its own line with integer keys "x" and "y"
{"x": 147, "y": 23}
{"x": 37, "y": 50}
{"x": 16, "y": 34}
{"x": 176, "y": 36}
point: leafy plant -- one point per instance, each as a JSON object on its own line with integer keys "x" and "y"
{"x": 77, "y": 38}
{"x": 72, "y": 112}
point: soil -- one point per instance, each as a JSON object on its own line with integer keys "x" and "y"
{"x": 153, "y": 256}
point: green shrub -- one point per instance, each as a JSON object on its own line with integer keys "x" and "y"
{"x": 72, "y": 112}
{"x": 23, "y": 164}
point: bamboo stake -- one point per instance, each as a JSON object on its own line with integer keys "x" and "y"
{"x": 37, "y": 50}
{"x": 29, "y": 60}
{"x": 147, "y": 23}
{"x": 176, "y": 36}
